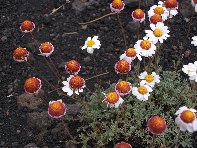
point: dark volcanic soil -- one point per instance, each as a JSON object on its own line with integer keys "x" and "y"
{"x": 14, "y": 129}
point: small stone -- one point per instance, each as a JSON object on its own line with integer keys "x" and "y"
{"x": 4, "y": 39}
{"x": 30, "y": 145}
{"x": 14, "y": 144}
{"x": 132, "y": 27}
{"x": 29, "y": 133}
{"x": 30, "y": 101}
{"x": 70, "y": 144}
{"x": 104, "y": 29}
{"x": 185, "y": 9}
{"x": 135, "y": 3}
{"x": 87, "y": 59}
{"x": 2, "y": 143}
{"x": 18, "y": 131}
{"x": 80, "y": 5}
{"x": 131, "y": 3}
{"x": 62, "y": 65}
{"x": 186, "y": 20}
{"x": 46, "y": 19}
{"x": 73, "y": 109}
{"x": 38, "y": 120}
{"x": 10, "y": 89}
{"x": 52, "y": 35}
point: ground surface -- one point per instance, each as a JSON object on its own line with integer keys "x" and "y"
{"x": 14, "y": 129}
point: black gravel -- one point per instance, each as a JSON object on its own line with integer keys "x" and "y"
{"x": 14, "y": 129}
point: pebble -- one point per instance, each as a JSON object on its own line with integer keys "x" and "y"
{"x": 30, "y": 145}
{"x": 2, "y": 143}
{"x": 87, "y": 59}
{"x": 14, "y": 144}
{"x": 18, "y": 131}
{"x": 131, "y": 27}
{"x": 4, "y": 39}
{"x": 46, "y": 19}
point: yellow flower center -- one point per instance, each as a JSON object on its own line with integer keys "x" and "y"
{"x": 187, "y": 116}
{"x": 130, "y": 52}
{"x": 149, "y": 78}
{"x": 159, "y": 10}
{"x": 112, "y": 97}
{"x": 145, "y": 44}
{"x": 142, "y": 90}
{"x": 90, "y": 43}
{"x": 158, "y": 32}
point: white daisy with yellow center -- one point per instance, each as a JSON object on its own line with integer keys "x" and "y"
{"x": 172, "y": 12}
{"x": 160, "y": 10}
{"x": 130, "y": 55}
{"x": 145, "y": 47}
{"x": 158, "y": 33}
{"x": 91, "y": 44}
{"x": 194, "y": 42}
{"x": 191, "y": 70}
{"x": 149, "y": 79}
{"x": 113, "y": 99}
{"x": 186, "y": 119}
{"x": 142, "y": 92}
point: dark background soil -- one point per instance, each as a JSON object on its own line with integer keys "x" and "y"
{"x": 14, "y": 129}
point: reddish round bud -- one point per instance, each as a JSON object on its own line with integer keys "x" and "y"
{"x": 56, "y": 109}
{"x": 27, "y": 26}
{"x": 156, "y": 125}
{"x": 122, "y": 67}
{"x": 118, "y": 4}
{"x": 138, "y": 14}
{"x": 154, "y": 19}
{"x": 72, "y": 67}
{"x": 171, "y": 4}
{"x": 32, "y": 85}
{"x": 123, "y": 145}
{"x": 46, "y": 49}
{"x": 20, "y": 54}
{"x": 123, "y": 87}
{"x": 195, "y": 1}
{"x": 76, "y": 82}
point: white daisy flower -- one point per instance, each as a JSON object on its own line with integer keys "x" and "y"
{"x": 158, "y": 32}
{"x": 186, "y": 119}
{"x": 91, "y": 44}
{"x": 112, "y": 99}
{"x": 142, "y": 92}
{"x": 159, "y": 9}
{"x": 74, "y": 84}
{"x": 149, "y": 79}
{"x": 194, "y": 40}
{"x": 191, "y": 70}
{"x": 130, "y": 55}
{"x": 145, "y": 47}
{"x": 194, "y": 4}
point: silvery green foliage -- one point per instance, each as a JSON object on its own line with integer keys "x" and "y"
{"x": 102, "y": 125}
